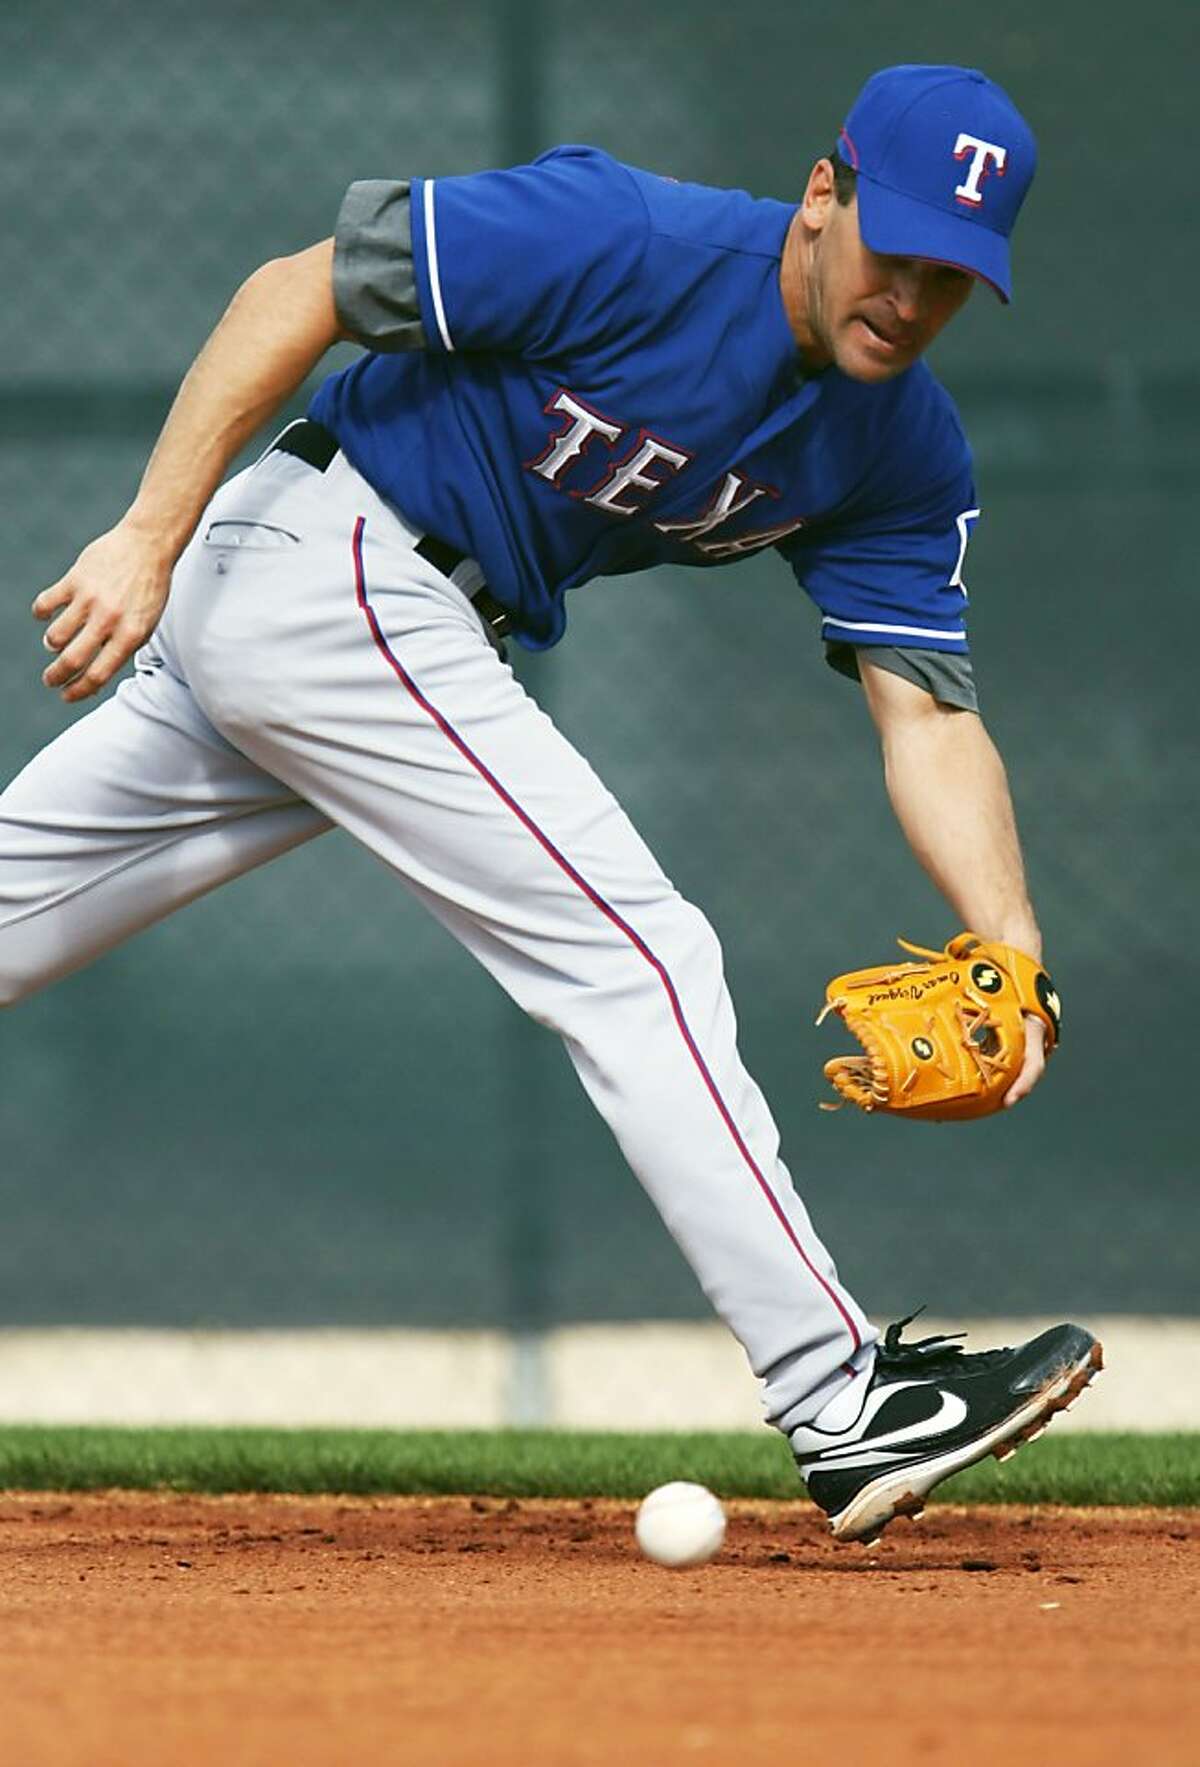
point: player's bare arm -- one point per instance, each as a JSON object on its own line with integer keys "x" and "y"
{"x": 274, "y": 332}
{"x": 949, "y": 790}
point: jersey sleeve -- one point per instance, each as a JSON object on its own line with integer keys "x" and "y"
{"x": 948, "y": 678}
{"x": 886, "y": 567}
{"x": 374, "y": 279}
{"x": 532, "y": 261}
{"x": 894, "y": 578}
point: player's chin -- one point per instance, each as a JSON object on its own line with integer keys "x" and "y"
{"x": 867, "y": 357}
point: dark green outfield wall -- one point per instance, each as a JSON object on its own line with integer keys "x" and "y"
{"x": 298, "y": 1102}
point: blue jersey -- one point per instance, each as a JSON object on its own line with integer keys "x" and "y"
{"x": 578, "y": 369}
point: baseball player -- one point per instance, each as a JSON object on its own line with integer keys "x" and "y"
{"x": 572, "y": 369}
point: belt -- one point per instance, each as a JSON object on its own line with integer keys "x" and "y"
{"x": 316, "y": 446}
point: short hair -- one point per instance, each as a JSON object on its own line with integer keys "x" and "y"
{"x": 845, "y": 179}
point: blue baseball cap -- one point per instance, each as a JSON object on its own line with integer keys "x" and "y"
{"x": 944, "y": 159}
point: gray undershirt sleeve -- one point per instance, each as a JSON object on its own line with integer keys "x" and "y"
{"x": 948, "y": 677}
{"x": 374, "y": 282}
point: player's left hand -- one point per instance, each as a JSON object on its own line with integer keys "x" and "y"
{"x": 106, "y": 605}
{"x": 1034, "y": 1065}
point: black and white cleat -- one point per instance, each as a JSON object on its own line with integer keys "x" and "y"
{"x": 928, "y": 1411}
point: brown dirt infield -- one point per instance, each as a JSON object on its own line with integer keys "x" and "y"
{"x": 292, "y": 1632}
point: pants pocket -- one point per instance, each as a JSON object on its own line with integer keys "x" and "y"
{"x": 250, "y": 536}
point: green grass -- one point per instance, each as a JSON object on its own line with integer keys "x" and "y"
{"x": 1085, "y": 1469}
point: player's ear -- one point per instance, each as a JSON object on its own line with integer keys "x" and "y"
{"x": 820, "y": 195}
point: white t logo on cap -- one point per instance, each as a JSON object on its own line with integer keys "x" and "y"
{"x": 984, "y": 154}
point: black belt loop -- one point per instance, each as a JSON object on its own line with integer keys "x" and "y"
{"x": 443, "y": 558}
{"x": 497, "y": 619}
{"x": 493, "y": 613}
{"x": 316, "y": 446}
{"x": 308, "y": 441}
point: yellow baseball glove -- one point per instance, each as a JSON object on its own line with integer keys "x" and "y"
{"x": 943, "y": 1038}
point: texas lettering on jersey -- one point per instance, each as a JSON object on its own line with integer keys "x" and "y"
{"x": 630, "y": 482}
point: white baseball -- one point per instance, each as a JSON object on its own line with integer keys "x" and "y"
{"x": 680, "y": 1524}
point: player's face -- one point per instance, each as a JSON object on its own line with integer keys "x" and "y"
{"x": 869, "y": 314}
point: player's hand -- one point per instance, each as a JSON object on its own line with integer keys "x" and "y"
{"x": 107, "y": 604}
{"x": 1034, "y": 1065}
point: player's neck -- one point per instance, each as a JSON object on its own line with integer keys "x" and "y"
{"x": 795, "y": 270}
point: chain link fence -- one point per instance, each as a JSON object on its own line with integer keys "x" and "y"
{"x": 235, "y": 1120}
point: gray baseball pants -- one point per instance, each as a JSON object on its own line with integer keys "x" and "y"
{"x": 312, "y": 669}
